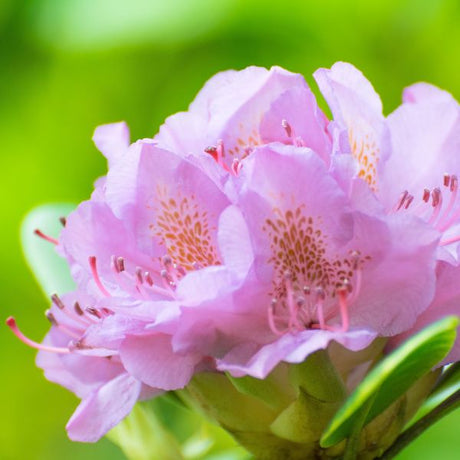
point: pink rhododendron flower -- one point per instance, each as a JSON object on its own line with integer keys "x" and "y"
{"x": 252, "y": 230}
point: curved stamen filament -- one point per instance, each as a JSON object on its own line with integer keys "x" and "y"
{"x": 292, "y": 307}
{"x": 97, "y": 280}
{"x": 436, "y": 196}
{"x": 452, "y": 183}
{"x": 11, "y": 323}
{"x": 52, "y": 319}
{"x": 450, "y": 241}
{"x": 271, "y": 320}
{"x": 342, "y": 295}
{"x": 48, "y": 238}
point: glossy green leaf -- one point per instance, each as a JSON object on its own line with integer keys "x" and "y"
{"x": 392, "y": 377}
{"x": 50, "y": 269}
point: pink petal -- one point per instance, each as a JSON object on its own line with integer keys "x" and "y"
{"x": 425, "y": 141}
{"x": 425, "y": 93}
{"x": 104, "y": 408}
{"x": 347, "y": 90}
{"x": 358, "y": 110}
{"x": 293, "y": 347}
{"x": 141, "y": 187}
{"x": 112, "y": 140}
{"x": 307, "y": 122}
{"x": 152, "y": 360}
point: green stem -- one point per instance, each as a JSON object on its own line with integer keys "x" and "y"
{"x": 351, "y": 451}
{"x": 451, "y": 403}
{"x": 446, "y": 376}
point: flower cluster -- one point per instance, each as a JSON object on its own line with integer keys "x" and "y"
{"x": 252, "y": 230}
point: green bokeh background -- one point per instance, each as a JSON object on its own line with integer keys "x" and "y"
{"x": 67, "y": 66}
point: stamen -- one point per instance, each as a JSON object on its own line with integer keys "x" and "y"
{"x": 121, "y": 264}
{"x": 409, "y": 200}
{"x": 148, "y": 278}
{"x": 436, "y": 197}
{"x": 220, "y": 151}
{"x": 293, "y": 321}
{"x": 271, "y": 319}
{"x": 92, "y": 264}
{"x": 445, "y": 222}
{"x": 167, "y": 281}
{"x": 217, "y": 152}
{"x": 46, "y": 237}
{"x": 11, "y": 323}
{"x": 287, "y": 127}
{"x": 78, "y": 309}
{"x": 320, "y": 296}
{"x": 211, "y": 150}
{"x": 446, "y": 181}
{"x": 93, "y": 311}
{"x": 426, "y": 195}
{"x": 63, "y": 221}
{"x": 57, "y": 301}
{"x": 117, "y": 264}
{"x": 296, "y": 140}
{"x": 52, "y": 319}
{"x": 453, "y": 183}
{"x": 236, "y": 166}
{"x": 342, "y": 295}
{"x": 139, "y": 278}
{"x": 401, "y": 200}
{"x": 450, "y": 241}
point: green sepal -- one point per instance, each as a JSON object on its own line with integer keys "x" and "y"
{"x": 215, "y": 396}
{"x": 318, "y": 377}
{"x": 392, "y": 377}
{"x": 304, "y": 420}
{"x": 275, "y": 390}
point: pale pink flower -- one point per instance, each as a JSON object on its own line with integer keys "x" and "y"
{"x": 239, "y": 110}
{"x": 411, "y": 161}
{"x": 252, "y": 230}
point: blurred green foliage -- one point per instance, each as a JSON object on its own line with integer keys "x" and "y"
{"x": 68, "y": 65}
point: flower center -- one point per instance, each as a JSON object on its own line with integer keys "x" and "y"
{"x": 184, "y": 230}
{"x": 365, "y": 150}
{"x": 310, "y": 285}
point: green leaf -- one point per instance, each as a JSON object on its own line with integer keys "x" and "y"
{"x": 50, "y": 269}
{"x": 392, "y": 377}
